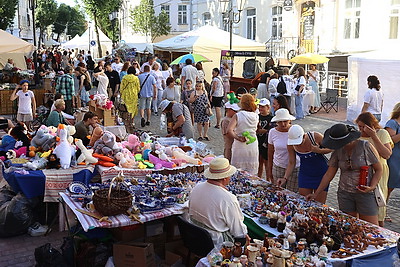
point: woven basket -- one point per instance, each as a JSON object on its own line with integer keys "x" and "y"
{"x": 112, "y": 202}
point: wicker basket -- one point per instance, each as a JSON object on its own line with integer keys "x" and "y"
{"x": 112, "y": 201}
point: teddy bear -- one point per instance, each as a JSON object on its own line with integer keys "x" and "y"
{"x": 106, "y": 144}
{"x": 132, "y": 143}
{"x": 53, "y": 162}
{"x": 41, "y": 137}
{"x": 123, "y": 161}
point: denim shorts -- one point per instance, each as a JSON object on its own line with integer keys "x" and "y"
{"x": 362, "y": 203}
{"x": 145, "y": 102}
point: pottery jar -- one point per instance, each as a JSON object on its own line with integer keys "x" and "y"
{"x": 235, "y": 263}
{"x": 259, "y": 262}
{"x": 237, "y": 250}
{"x": 292, "y": 238}
{"x": 243, "y": 260}
{"x": 253, "y": 252}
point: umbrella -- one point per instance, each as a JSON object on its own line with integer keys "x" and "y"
{"x": 309, "y": 58}
{"x": 194, "y": 57}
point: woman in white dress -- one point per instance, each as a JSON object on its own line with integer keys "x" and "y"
{"x": 160, "y": 83}
{"x": 245, "y": 150}
{"x": 226, "y": 75}
{"x": 313, "y": 79}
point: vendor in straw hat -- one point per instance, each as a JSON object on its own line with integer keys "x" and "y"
{"x": 214, "y": 208}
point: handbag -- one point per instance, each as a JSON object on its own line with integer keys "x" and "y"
{"x": 379, "y": 197}
{"x": 209, "y": 110}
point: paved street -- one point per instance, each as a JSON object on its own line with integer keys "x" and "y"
{"x": 19, "y": 251}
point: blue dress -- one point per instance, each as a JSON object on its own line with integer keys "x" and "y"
{"x": 313, "y": 166}
{"x": 393, "y": 161}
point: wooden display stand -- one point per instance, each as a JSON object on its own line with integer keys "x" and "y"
{"x": 104, "y": 115}
{"x": 8, "y": 107}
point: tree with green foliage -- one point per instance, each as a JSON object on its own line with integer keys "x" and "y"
{"x": 45, "y": 15}
{"x": 70, "y": 19}
{"x": 99, "y": 10}
{"x": 145, "y": 21}
{"x": 7, "y": 12}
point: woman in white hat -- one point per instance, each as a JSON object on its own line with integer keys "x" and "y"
{"x": 278, "y": 155}
{"x": 313, "y": 164}
{"x": 245, "y": 149}
{"x": 214, "y": 208}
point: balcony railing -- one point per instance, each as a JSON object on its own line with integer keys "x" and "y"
{"x": 288, "y": 47}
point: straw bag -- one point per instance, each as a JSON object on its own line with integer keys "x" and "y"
{"x": 111, "y": 201}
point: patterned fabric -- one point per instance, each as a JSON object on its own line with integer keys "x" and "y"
{"x": 88, "y": 222}
{"x": 65, "y": 86}
{"x": 291, "y": 183}
{"x": 199, "y": 109}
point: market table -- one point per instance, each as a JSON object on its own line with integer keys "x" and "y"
{"x": 47, "y": 182}
{"x": 88, "y": 222}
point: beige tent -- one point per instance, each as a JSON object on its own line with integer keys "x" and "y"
{"x": 15, "y": 48}
{"x": 209, "y": 41}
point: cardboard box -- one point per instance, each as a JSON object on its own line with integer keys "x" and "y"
{"x": 132, "y": 254}
{"x": 158, "y": 242}
{"x": 154, "y": 228}
{"x": 172, "y": 259}
{"x": 177, "y": 247}
{"x": 129, "y": 233}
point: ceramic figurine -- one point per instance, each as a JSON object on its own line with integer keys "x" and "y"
{"x": 235, "y": 263}
{"x": 243, "y": 260}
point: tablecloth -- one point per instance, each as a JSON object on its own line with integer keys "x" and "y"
{"x": 88, "y": 222}
{"x": 35, "y": 184}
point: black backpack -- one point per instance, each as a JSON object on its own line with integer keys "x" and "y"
{"x": 281, "y": 87}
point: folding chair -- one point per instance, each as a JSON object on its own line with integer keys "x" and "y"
{"x": 331, "y": 100}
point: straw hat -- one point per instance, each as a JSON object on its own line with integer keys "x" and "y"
{"x": 282, "y": 114}
{"x": 339, "y": 135}
{"x": 219, "y": 168}
{"x": 295, "y": 135}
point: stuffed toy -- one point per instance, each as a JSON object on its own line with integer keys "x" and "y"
{"x": 46, "y": 154}
{"x": 50, "y": 143}
{"x": 53, "y": 162}
{"x": 109, "y": 105}
{"x": 64, "y": 150}
{"x": 162, "y": 155}
{"x": 179, "y": 155}
{"x": 37, "y": 164}
{"x": 86, "y": 156}
{"x": 71, "y": 131}
{"x": 52, "y": 130}
{"x": 7, "y": 143}
{"x": 159, "y": 163}
{"x": 107, "y": 144}
{"x": 104, "y": 160}
{"x": 124, "y": 162}
{"x": 145, "y": 138}
{"x": 97, "y": 133}
{"x": 41, "y": 137}
{"x": 232, "y": 98}
{"x": 16, "y": 153}
{"x": 141, "y": 160}
{"x": 127, "y": 154}
{"x": 132, "y": 144}
{"x": 100, "y": 99}
{"x": 20, "y": 133}
{"x": 179, "y": 162}
{"x": 250, "y": 139}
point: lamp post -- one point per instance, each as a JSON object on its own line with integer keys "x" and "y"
{"x": 32, "y": 6}
{"x": 113, "y": 17}
{"x": 233, "y": 15}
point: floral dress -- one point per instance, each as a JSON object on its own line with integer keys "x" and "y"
{"x": 199, "y": 108}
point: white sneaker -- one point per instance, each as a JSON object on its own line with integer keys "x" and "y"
{"x": 37, "y": 229}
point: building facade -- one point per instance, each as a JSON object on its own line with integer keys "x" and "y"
{"x": 22, "y": 25}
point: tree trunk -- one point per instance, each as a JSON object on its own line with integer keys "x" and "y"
{"x": 98, "y": 36}
{"x": 40, "y": 37}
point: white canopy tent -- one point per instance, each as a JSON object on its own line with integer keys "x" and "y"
{"x": 209, "y": 41}
{"x": 15, "y": 48}
{"x": 83, "y": 42}
{"x": 385, "y": 64}
{"x": 50, "y": 42}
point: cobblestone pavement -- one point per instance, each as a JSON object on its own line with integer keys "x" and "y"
{"x": 19, "y": 251}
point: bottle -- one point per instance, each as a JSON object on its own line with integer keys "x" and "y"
{"x": 259, "y": 262}
{"x": 363, "y": 175}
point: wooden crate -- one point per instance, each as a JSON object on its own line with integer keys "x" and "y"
{"x": 104, "y": 115}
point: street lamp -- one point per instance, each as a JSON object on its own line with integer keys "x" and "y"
{"x": 233, "y": 14}
{"x": 32, "y": 6}
{"x": 113, "y": 17}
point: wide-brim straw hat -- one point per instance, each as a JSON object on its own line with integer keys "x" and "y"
{"x": 282, "y": 114}
{"x": 219, "y": 168}
{"x": 339, "y": 135}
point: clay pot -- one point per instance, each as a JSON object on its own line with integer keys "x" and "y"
{"x": 281, "y": 226}
{"x": 273, "y": 222}
{"x": 237, "y": 250}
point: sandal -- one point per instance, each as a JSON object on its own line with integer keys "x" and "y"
{"x": 216, "y": 126}
{"x": 206, "y": 138}
{"x": 200, "y": 138}
{"x": 388, "y": 219}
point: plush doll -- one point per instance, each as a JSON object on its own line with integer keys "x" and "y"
{"x": 127, "y": 154}
{"x": 86, "y": 156}
{"x": 162, "y": 155}
{"x": 124, "y": 162}
{"x": 52, "y": 130}
{"x": 53, "y": 162}
{"x": 71, "y": 131}
{"x": 64, "y": 150}
{"x": 7, "y": 143}
{"x": 145, "y": 137}
{"x": 96, "y": 135}
{"x": 159, "y": 163}
{"x": 16, "y": 153}
{"x": 132, "y": 143}
{"x": 179, "y": 155}
{"x": 107, "y": 144}
{"x": 41, "y": 137}
{"x": 250, "y": 139}
{"x": 109, "y": 105}
{"x": 50, "y": 143}
{"x": 46, "y": 154}
{"x": 100, "y": 99}
{"x": 104, "y": 160}
{"x": 37, "y": 164}
{"x": 232, "y": 98}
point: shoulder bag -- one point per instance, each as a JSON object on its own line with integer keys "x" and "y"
{"x": 208, "y": 110}
{"x": 312, "y": 139}
{"x": 141, "y": 85}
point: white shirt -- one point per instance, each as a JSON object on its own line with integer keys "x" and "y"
{"x": 219, "y": 210}
{"x": 25, "y": 101}
{"x": 273, "y": 83}
{"x": 289, "y": 84}
{"x": 103, "y": 84}
{"x": 190, "y": 73}
{"x": 374, "y": 98}
{"x": 117, "y": 66}
{"x": 219, "y": 90}
{"x": 281, "y": 154}
{"x": 159, "y": 78}
{"x": 148, "y": 64}
{"x": 315, "y": 73}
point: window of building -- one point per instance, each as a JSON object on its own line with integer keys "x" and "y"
{"x": 352, "y": 19}
{"x": 277, "y": 22}
{"x": 251, "y": 24}
{"x": 225, "y": 21}
{"x": 166, "y": 9}
{"x": 394, "y": 19}
{"x": 206, "y": 18}
{"x": 182, "y": 14}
